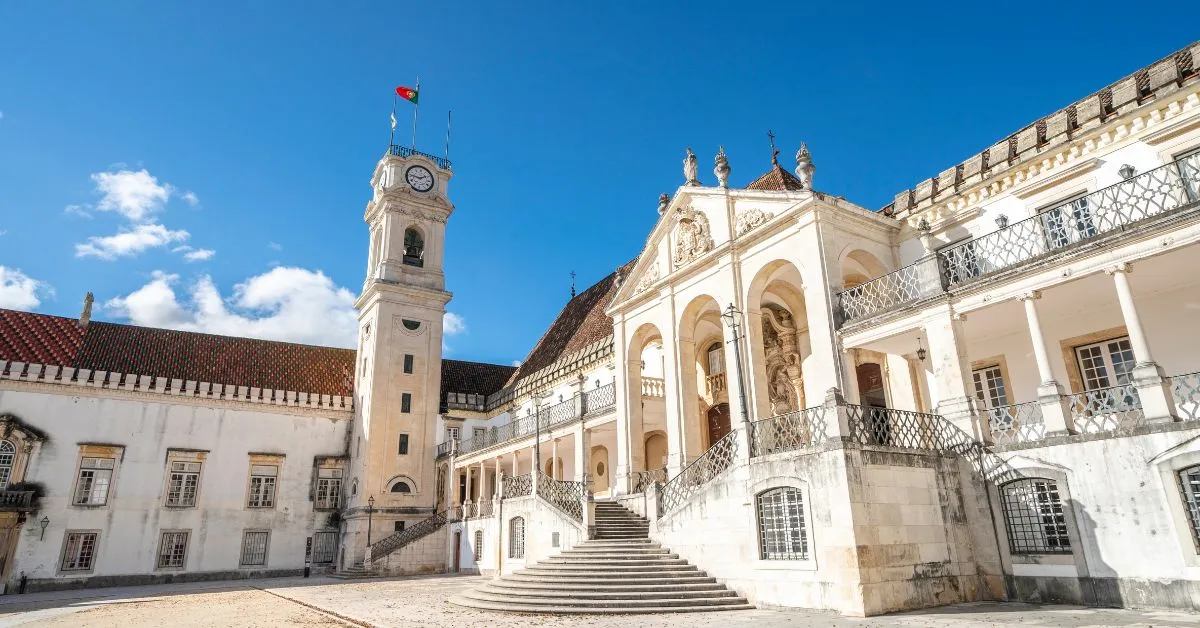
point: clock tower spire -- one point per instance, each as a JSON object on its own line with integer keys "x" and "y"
{"x": 398, "y": 376}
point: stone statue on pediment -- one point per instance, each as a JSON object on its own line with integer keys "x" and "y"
{"x": 690, "y": 168}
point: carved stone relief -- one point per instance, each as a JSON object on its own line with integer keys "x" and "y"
{"x": 785, "y": 381}
{"x": 751, "y": 218}
{"x": 692, "y": 236}
{"x": 651, "y": 276}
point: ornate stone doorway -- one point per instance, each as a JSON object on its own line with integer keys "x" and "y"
{"x": 718, "y": 422}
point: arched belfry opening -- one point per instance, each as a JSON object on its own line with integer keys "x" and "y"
{"x": 414, "y": 247}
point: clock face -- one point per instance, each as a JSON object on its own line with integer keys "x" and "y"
{"x": 420, "y": 178}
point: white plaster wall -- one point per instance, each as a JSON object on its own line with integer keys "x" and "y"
{"x": 129, "y": 524}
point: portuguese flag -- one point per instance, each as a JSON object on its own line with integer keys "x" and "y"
{"x": 407, "y": 93}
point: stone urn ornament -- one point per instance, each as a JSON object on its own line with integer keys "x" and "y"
{"x": 722, "y": 168}
{"x": 663, "y": 202}
{"x": 690, "y": 168}
{"x": 804, "y": 166}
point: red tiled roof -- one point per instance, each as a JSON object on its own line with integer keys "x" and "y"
{"x": 776, "y": 180}
{"x": 474, "y": 378}
{"x": 44, "y": 339}
{"x": 580, "y": 323}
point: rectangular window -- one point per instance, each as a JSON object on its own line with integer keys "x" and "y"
{"x": 404, "y": 444}
{"x": 329, "y": 488}
{"x": 1067, "y": 221}
{"x": 95, "y": 476}
{"x": 172, "y": 549}
{"x": 452, "y": 433}
{"x": 1106, "y": 364}
{"x": 324, "y": 547}
{"x": 408, "y": 364}
{"x": 477, "y": 433}
{"x": 477, "y": 550}
{"x": 79, "y": 551}
{"x": 1034, "y": 513}
{"x": 961, "y": 261}
{"x": 1189, "y": 169}
{"x": 262, "y": 486}
{"x": 398, "y": 526}
{"x": 405, "y": 403}
{"x": 184, "y": 484}
{"x": 254, "y": 548}
{"x": 1189, "y": 485}
{"x": 989, "y": 387}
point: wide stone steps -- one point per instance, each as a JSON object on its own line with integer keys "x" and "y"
{"x": 620, "y": 571}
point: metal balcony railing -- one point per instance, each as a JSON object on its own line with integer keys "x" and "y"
{"x": 518, "y": 485}
{"x": 1168, "y": 188}
{"x": 790, "y": 432}
{"x": 1016, "y": 423}
{"x": 598, "y": 400}
{"x": 565, "y": 495}
{"x": 644, "y": 480}
{"x": 405, "y": 151}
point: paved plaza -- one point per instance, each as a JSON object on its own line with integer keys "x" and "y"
{"x": 411, "y": 602}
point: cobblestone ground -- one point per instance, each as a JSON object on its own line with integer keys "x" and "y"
{"x": 411, "y": 602}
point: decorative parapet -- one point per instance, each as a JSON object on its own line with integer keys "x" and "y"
{"x": 1029, "y": 145}
{"x": 560, "y": 369}
{"x": 85, "y": 378}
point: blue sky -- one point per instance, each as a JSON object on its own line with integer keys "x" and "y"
{"x": 206, "y": 165}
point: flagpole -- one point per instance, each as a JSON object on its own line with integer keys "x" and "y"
{"x": 392, "y": 139}
{"x": 416, "y": 109}
{"x": 448, "y": 135}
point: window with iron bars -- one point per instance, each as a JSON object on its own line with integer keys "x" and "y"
{"x": 1189, "y": 486}
{"x": 262, "y": 486}
{"x": 91, "y": 487}
{"x": 325, "y": 546}
{"x": 516, "y": 537}
{"x": 184, "y": 484}
{"x": 79, "y": 551}
{"x": 172, "y": 550}
{"x": 478, "y": 546}
{"x": 1035, "y": 517}
{"x": 254, "y": 548}
{"x": 781, "y": 528}
{"x": 329, "y": 489}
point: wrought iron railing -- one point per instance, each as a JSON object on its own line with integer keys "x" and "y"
{"x": 1164, "y": 189}
{"x": 1016, "y": 423}
{"x": 443, "y": 449}
{"x": 405, "y": 151}
{"x": 420, "y": 529}
{"x": 712, "y": 463}
{"x": 906, "y": 284}
{"x": 518, "y": 485}
{"x": 641, "y": 481}
{"x": 653, "y": 387}
{"x": 564, "y": 495}
{"x": 789, "y": 432}
{"x": 1106, "y": 409}
{"x": 600, "y": 399}
{"x": 893, "y": 428}
{"x": 483, "y": 507}
{"x": 1186, "y": 390}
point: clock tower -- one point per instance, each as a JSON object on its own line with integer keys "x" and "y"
{"x": 398, "y": 375}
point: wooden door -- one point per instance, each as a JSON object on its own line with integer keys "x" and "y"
{"x": 457, "y": 550}
{"x": 718, "y": 423}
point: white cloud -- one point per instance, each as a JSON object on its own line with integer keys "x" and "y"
{"x": 516, "y": 363}
{"x": 78, "y": 210}
{"x": 134, "y": 195}
{"x": 129, "y": 243}
{"x": 274, "y": 246}
{"x": 453, "y": 324}
{"x": 20, "y": 291}
{"x": 284, "y": 303}
{"x": 199, "y": 255}
{"x": 190, "y": 198}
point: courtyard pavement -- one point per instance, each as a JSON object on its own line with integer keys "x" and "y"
{"x": 422, "y": 601}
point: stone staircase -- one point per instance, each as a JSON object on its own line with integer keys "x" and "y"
{"x": 620, "y": 571}
{"x": 355, "y": 572}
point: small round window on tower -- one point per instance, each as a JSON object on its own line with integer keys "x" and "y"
{"x": 412, "y": 325}
{"x": 401, "y": 487}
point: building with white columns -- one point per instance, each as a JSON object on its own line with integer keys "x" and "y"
{"x": 986, "y": 390}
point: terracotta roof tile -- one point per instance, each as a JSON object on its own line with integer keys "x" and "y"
{"x": 174, "y": 354}
{"x": 776, "y": 180}
{"x": 580, "y": 323}
{"x": 478, "y": 378}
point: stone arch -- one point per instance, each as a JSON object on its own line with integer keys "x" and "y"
{"x": 401, "y": 485}
{"x": 777, "y": 319}
{"x": 640, "y": 343}
{"x": 655, "y": 446}
{"x": 698, "y": 327}
{"x": 858, "y": 267}
{"x": 414, "y": 245}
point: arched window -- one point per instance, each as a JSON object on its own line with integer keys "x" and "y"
{"x": 7, "y": 454}
{"x": 414, "y": 247}
{"x": 477, "y": 550}
{"x": 516, "y": 537}
{"x": 1034, "y": 515}
{"x": 401, "y": 487}
{"x": 782, "y": 534}
{"x": 1189, "y": 484}
{"x": 716, "y": 359}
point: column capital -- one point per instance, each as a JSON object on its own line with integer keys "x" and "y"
{"x": 1123, "y": 267}
{"x": 1030, "y": 295}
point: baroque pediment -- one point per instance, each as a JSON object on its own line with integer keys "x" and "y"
{"x": 692, "y": 235}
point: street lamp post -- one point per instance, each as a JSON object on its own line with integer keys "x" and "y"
{"x": 730, "y": 315}
{"x": 370, "y": 515}
{"x": 538, "y": 398}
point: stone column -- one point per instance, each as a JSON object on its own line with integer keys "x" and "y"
{"x": 1056, "y": 412}
{"x": 628, "y": 401}
{"x": 514, "y": 463}
{"x": 555, "y": 471}
{"x": 582, "y": 449}
{"x": 952, "y": 374}
{"x": 673, "y": 391}
{"x": 1153, "y": 387}
{"x": 482, "y": 482}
